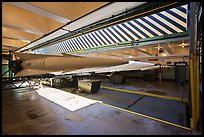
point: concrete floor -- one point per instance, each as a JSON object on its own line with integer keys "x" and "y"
{"x": 155, "y": 107}
{"x": 24, "y": 112}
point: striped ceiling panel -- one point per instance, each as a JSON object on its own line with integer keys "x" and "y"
{"x": 163, "y": 23}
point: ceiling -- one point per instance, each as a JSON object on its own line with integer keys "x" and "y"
{"x": 32, "y": 23}
{"x": 24, "y": 22}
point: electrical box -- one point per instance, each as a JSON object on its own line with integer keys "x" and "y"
{"x": 89, "y": 86}
{"x": 180, "y": 71}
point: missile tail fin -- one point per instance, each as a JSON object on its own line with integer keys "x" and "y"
{"x": 69, "y": 55}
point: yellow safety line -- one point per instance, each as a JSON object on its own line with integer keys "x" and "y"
{"x": 142, "y": 115}
{"x": 144, "y": 93}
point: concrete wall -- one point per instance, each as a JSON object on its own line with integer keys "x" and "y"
{"x": 168, "y": 73}
{"x": 138, "y": 74}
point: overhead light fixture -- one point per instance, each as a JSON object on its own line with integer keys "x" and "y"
{"x": 183, "y": 44}
{"x": 158, "y": 47}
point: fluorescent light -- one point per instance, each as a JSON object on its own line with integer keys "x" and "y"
{"x": 105, "y": 12}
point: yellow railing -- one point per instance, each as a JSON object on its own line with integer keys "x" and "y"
{"x": 195, "y": 95}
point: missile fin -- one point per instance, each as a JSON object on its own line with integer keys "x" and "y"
{"x": 69, "y": 55}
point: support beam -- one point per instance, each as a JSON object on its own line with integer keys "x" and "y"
{"x": 172, "y": 39}
{"x": 8, "y": 47}
{"x": 17, "y": 34}
{"x": 145, "y": 52}
{"x": 13, "y": 43}
{"x": 124, "y": 53}
{"x": 26, "y": 40}
{"x": 23, "y": 29}
{"x": 4, "y": 51}
{"x": 194, "y": 56}
{"x": 37, "y": 10}
{"x": 121, "y": 54}
{"x": 161, "y": 57}
{"x": 5, "y": 72}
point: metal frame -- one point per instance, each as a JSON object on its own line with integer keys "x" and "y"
{"x": 10, "y": 80}
{"x": 136, "y": 44}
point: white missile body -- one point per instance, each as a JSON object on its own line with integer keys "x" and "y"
{"x": 36, "y": 64}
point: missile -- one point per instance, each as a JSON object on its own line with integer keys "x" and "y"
{"x": 38, "y": 64}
